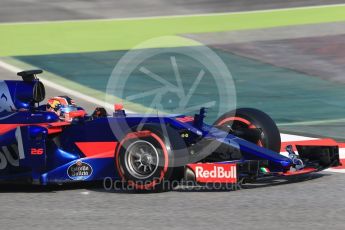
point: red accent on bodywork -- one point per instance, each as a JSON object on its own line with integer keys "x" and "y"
{"x": 299, "y": 172}
{"x": 342, "y": 166}
{"x": 118, "y": 107}
{"x": 57, "y": 124}
{"x": 330, "y": 142}
{"x": 214, "y": 172}
{"x": 341, "y": 145}
{"x": 54, "y": 127}
{"x": 137, "y": 135}
{"x": 78, "y": 113}
{"x": 7, "y": 127}
{"x": 185, "y": 119}
{"x": 97, "y": 149}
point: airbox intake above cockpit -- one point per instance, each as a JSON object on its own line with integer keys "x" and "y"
{"x": 16, "y": 95}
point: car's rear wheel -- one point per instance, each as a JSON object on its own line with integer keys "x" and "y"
{"x": 252, "y": 125}
{"x": 149, "y": 159}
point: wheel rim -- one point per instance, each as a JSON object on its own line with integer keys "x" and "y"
{"x": 141, "y": 159}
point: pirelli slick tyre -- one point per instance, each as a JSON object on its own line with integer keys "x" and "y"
{"x": 151, "y": 159}
{"x": 249, "y": 120}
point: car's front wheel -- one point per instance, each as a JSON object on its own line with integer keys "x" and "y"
{"x": 252, "y": 125}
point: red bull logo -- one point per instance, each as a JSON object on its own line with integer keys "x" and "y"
{"x": 215, "y": 173}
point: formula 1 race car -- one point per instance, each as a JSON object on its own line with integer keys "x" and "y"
{"x": 40, "y": 147}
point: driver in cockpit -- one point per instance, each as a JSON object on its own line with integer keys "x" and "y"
{"x": 65, "y": 108}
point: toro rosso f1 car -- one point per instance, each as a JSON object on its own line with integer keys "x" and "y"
{"x": 59, "y": 142}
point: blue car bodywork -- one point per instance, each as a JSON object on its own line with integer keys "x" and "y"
{"x": 39, "y": 148}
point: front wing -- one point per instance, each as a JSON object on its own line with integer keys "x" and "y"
{"x": 315, "y": 158}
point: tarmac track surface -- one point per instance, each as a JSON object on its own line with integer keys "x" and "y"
{"x": 47, "y": 10}
{"x": 316, "y": 203}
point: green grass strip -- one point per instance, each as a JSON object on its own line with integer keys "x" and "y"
{"x": 101, "y": 35}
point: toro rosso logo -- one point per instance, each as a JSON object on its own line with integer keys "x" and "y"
{"x": 6, "y": 103}
{"x": 215, "y": 173}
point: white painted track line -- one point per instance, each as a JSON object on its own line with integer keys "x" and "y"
{"x": 181, "y": 16}
{"x": 290, "y": 137}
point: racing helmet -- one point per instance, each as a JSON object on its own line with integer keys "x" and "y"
{"x": 65, "y": 108}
